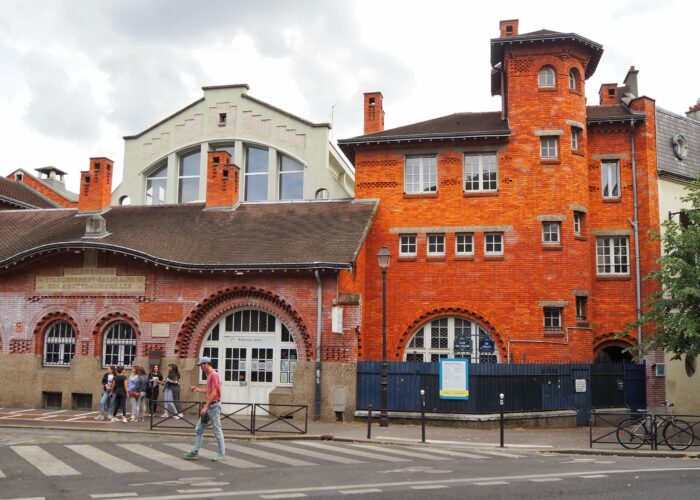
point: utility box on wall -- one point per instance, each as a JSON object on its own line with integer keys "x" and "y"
{"x": 337, "y": 319}
{"x": 340, "y": 398}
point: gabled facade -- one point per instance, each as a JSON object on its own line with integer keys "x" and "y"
{"x": 49, "y": 185}
{"x": 513, "y": 232}
{"x": 281, "y": 157}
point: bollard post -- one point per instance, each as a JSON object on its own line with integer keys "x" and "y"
{"x": 369, "y": 422}
{"x": 422, "y": 415}
{"x": 502, "y": 422}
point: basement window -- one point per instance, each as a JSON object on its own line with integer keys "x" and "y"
{"x": 81, "y": 401}
{"x": 51, "y": 400}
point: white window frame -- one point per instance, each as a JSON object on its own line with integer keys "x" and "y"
{"x": 573, "y": 79}
{"x": 551, "y": 233}
{"x": 407, "y": 241}
{"x": 546, "y": 148}
{"x": 486, "y": 164}
{"x": 247, "y": 174}
{"x": 152, "y": 177}
{"x": 121, "y": 342}
{"x": 574, "y": 139}
{"x": 435, "y": 245}
{"x": 610, "y": 172}
{"x": 59, "y": 333}
{"x": 494, "y": 240}
{"x": 423, "y": 170}
{"x": 581, "y": 307}
{"x": 543, "y": 75}
{"x": 578, "y": 222}
{"x": 289, "y": 173}
{"x": 465, "y": 241}
{"x": 610, "y": 249}
{"x": 552, "y": 318}
{"x": 181, "y": 177}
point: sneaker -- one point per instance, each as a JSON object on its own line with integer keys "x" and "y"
{"x": 218, "y": 458}
{"x": 164, "y": 415}
{"x": 99, "y": 417}
{"x": 133, "y": 419}
{"x": 114, "y": 419}
{"x": 191, "y": 455}
{"x": 179, "y": 415}
{"x": 124, "y": 420}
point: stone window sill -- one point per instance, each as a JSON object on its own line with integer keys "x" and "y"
{"x": 550, "y": 161}
{"x": 551, "y": 247}
{"x": 408, "y": 196}
{"x": 547, "y": 89}
{"x": 577, "y": 153}
{"x": 580, "y": 237}
{"x": 477, "y": 194}
{"x": 612, "y": 200}
{"x": 625, "y": 277}
{"x": 554, "y": 333}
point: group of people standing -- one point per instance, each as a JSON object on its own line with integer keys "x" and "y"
{"x": 139, "y": 388}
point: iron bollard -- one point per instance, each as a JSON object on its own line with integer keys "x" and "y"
{"x": 369, "y": 422}
{"x": 422, "y": 415}
{"x": 502, "y": 422}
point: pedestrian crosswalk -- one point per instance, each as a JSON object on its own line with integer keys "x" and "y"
{"x": 58, "y": 460}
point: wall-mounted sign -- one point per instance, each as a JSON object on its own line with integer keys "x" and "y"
{"x": 580, "y": 385}
{"x": 486, "y": 345}
{"x": 19, "y": 327}
{"x": 454, "y": 379}
{"x": 91, "y": 279}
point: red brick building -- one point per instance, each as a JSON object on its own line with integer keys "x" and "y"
{"x": 513, "y": 232}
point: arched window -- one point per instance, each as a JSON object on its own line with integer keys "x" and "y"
{"x": 322, "y": 194}
{"x": 156, "y": 184}
{"x": 188, "y": 179}
{"x": 291, "y": 179}
{"x": 119, "y": 345}
{"x": 59, "y": 344}
{"x": 546, "y": 78}
{"x": 573, "y": 79}
{"x": 451, "y": 337}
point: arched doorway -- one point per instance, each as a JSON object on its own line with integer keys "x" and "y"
{"x": 451, "y": 337}
{"x": 613, "y": 354}
{"x": 254, "y": 352}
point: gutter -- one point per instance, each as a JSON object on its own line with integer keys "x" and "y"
{"x": 425, "y": 137}
{"x": 319, "y": 309}
{"x": 635, "y": 227}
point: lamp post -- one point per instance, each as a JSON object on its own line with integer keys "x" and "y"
{"x": 384, "y": 259}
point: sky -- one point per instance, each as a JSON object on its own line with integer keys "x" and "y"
{"x": 78, "y": 75}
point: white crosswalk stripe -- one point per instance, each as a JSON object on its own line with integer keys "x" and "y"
{"x": 396, "y": 451}
{"x": 229, "y": 460}
{"x": 311, "y": 453}
{"x": 2, "y": 475}
{"x": 272, "y": 457}
{"x": 160, "y": 457}
{"x": 451, "y": 453}
{"x": 105, "y": 459}
{"x": 499, "y": 453}
{"x": 44, "y": 461}
{"x": 348, "y": 451}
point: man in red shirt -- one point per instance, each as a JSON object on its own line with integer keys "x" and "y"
{"x": 211, "y": 411}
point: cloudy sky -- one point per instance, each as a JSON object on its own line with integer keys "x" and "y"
{"x": 77, "y": 75}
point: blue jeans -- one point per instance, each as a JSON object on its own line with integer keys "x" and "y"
{"x": 214, "y": 416}
{"x": 105, "y": 407}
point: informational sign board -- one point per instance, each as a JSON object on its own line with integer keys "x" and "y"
{"x": 580, "y": 385}
{"x": 454, "y": 379}
{"x": 486, "y": 345}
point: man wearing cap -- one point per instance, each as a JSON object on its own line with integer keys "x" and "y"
{"x": 211, "y": 411}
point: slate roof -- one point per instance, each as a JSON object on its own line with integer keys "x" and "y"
{"x": 611, "y": 113}
{"x": 454, "y": 126}
{"x": 669, "y": 124}
{"x": 22, "y": 196}
{"x": 292, "y": 235}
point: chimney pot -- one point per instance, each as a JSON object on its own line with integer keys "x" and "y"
{"x": 96, "y": 186}
{"x": 374, "y": 112}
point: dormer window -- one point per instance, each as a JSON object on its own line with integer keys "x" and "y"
{"x": 546, "y": 78}
{"x": 19, "y": 177}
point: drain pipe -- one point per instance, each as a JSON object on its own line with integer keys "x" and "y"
{"x": 635, "y": 228}
{"x": 319, "y": 308}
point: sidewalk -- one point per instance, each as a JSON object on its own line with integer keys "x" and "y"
{"x": 570, "y": 441}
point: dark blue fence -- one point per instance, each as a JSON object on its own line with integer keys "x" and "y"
{"x": 526, "y": 387}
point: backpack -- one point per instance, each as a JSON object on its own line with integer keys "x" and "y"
{"x": 143, "y": 384}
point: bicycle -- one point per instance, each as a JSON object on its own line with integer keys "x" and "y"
{"x": 633, "y": 432}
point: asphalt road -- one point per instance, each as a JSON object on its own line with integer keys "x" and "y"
{"x": 55, "y": 465}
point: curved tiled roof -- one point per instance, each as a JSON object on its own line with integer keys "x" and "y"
{"x": 293, "y": 235}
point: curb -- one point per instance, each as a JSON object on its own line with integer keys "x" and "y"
{"x": 624, "y": 453}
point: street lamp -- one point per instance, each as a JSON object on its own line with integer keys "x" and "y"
{"x": 384, "y": 259}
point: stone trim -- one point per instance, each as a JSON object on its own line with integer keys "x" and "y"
{"x": 545, "y": 133}
{"x": 554, "y": 303}
{"x": 579, "y": 293}
{"x": 610, "y": 156}
{"x": 576, "y": 124}
{"x": 612, "y": 232}
{"x": 551, "y": 218}
{"x": 578, "y": 208}
{"x": 450, "y": 229}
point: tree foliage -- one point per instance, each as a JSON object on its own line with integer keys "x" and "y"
{"x": 674, "y": 311}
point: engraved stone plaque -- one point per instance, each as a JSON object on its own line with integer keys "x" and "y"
{"x": 91, "y": 280}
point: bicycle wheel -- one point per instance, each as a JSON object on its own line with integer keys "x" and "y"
{"x": 678, "y": 434}
{"x": 631, "y": 433}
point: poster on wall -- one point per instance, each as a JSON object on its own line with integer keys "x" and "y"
{"x": 454, "y": 379}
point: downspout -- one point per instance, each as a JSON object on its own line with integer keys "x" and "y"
{"x": 319, "y": 308}
{"x": 635, "y": 228}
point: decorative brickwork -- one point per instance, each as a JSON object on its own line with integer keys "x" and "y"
{"x": 20, "y": 346}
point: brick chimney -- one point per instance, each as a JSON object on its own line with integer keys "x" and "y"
{"x": 609, "y": 94}
{"x": 694, "y": 111}
{"x": 223, "y": 180}
{"x": 509, "y": 28}
{"x": 374, "y": 112}
{"x": 96, "y": 186}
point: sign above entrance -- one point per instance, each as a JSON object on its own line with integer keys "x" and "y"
{"x": 91, "y": 279}
{"x": 454, "y": 379}
{"x": 262, "y": 339}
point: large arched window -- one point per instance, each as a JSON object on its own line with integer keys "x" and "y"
{"x": 451, "y": 337}
{"x": 119, "y": 344}
{"x": 188, "y": 180}
{"x": 156, "y": 184}
{"x": 59, "y": 344}
{"x": 546, "y": 78}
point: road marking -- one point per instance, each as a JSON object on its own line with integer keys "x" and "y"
{"x": 545, "y": 479}
{"x": 47, "y": 417}
{"x": 312, "y": 454}
{"x": 55, "y": 411}
{"x": 295, "y": 462}
{"x": 2, "y": 475}
{"x": 403, "y": 453}
{"x": 200, "y": 490}
{"x": 468, "y": 443}
{"x": 360, "y": 492}
{"x": 491, "y": 483}
{"x": 284, "y": 495}
{"x": 453, "y": 453}
{"x": 114, "y": 495}
{"x": 106, "y": 460}
{"x": 593, "y": 476}
{"x": 348, "y": 451}
{"x": 22, "y": 411}
{"x": 500, "y": 454}
{"x": 232, "y": 461}
{"x": 44, "y": 461}
{"x": 80, "y": 416}
{"x": 429, "y": 487}
{"x": 160, "y": 457}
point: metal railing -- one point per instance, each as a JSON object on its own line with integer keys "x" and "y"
{"x": 246, "y": 417}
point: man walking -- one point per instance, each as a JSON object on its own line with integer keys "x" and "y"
{"x": 211, "y": 411}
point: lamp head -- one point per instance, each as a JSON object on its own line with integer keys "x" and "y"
{"x": 384, "y": 258}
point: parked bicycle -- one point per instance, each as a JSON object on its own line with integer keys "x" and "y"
{"x": 634, "y": 432}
